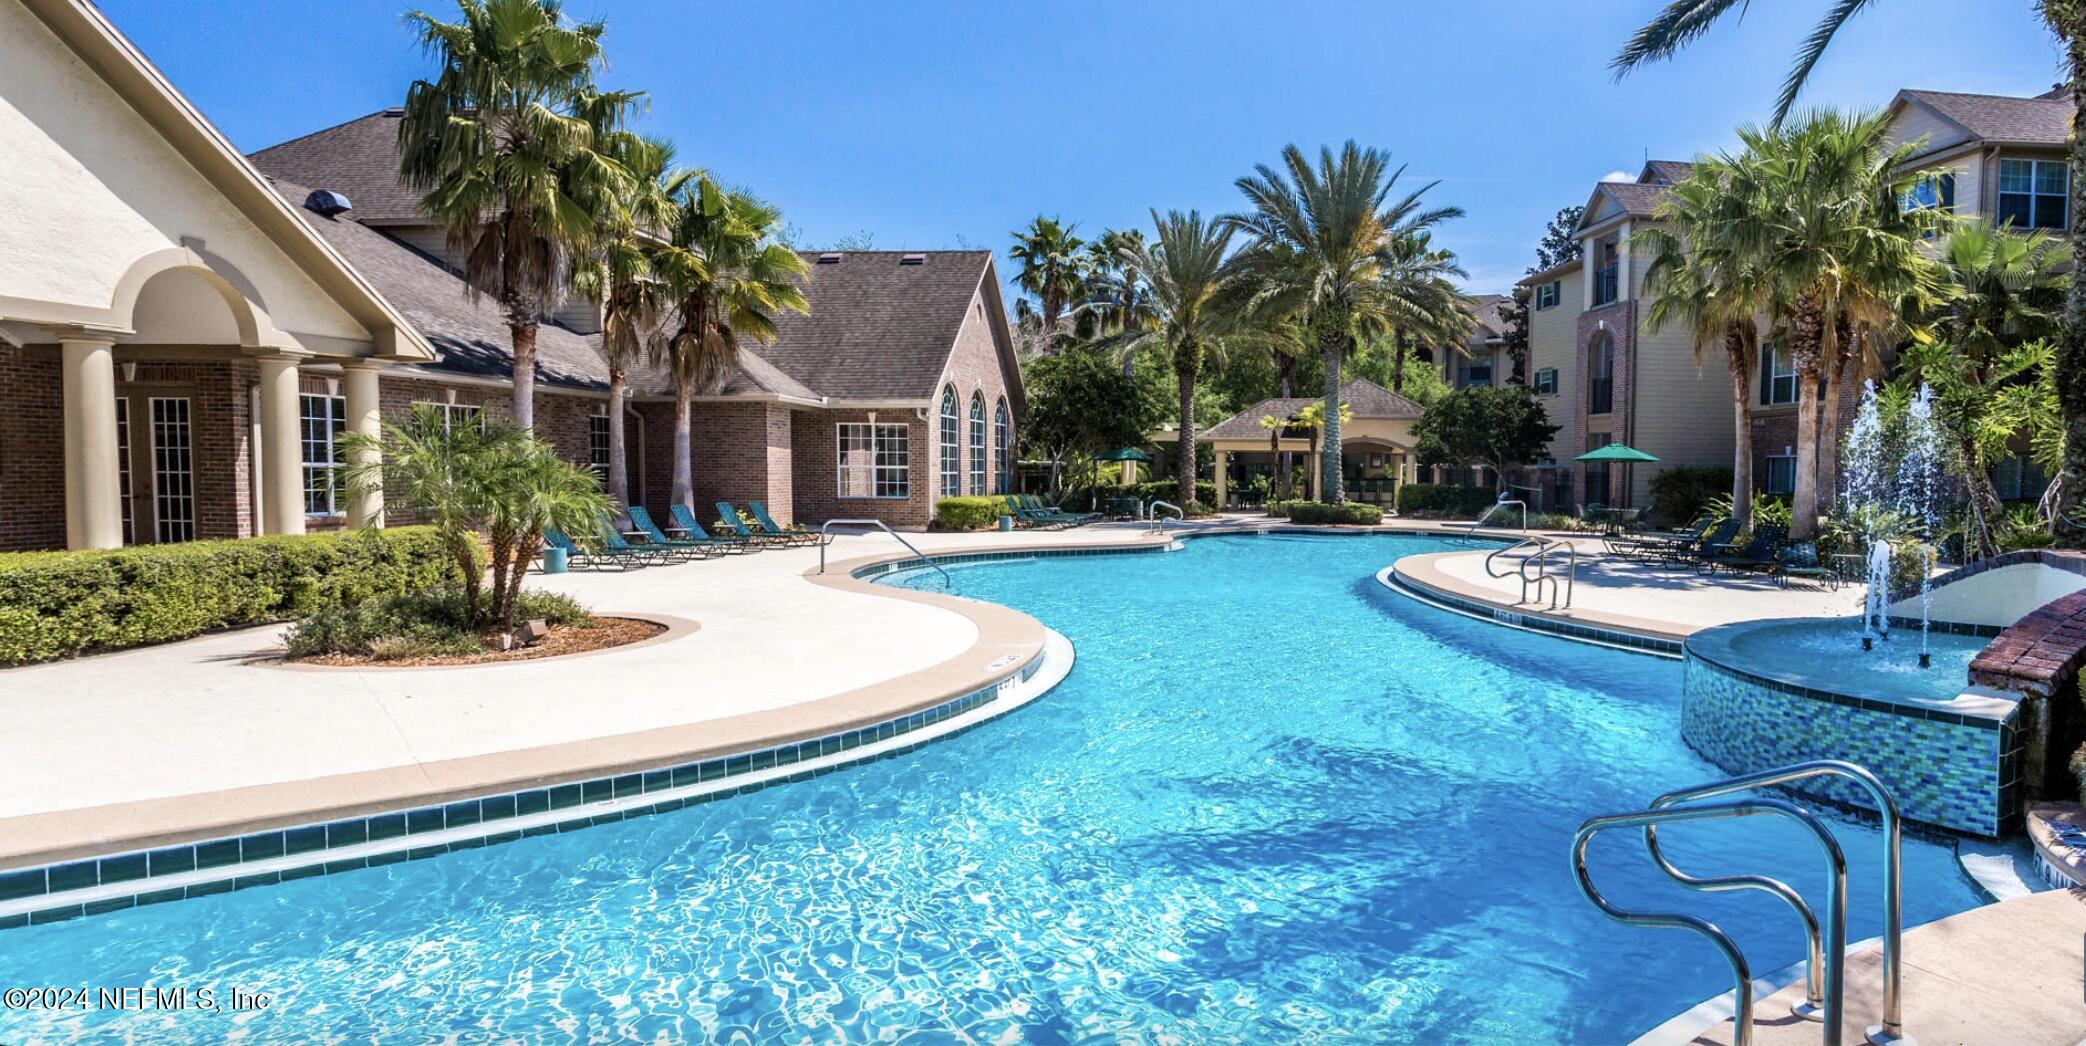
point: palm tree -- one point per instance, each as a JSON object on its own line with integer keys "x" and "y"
{"x": 502, "y": 143}
{"x": 1115, "y": 289}
{"x": 727, "y": 277}
{"x": 1184, "y": 278}
{"x": 1053, "y": 269}
{"x": 1682, "y": 21}
{"x": 534, "y": 489}
{"x": 1815, "y": 208}
{"x": 1322, "y": 240}
{"x": 1698, "y": 280}
{"x": 1420, "y": 273}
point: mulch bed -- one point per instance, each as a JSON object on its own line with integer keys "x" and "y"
{"x": 606, "y": 632}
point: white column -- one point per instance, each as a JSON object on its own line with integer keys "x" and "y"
{"x": 93, "y": 511}
{"x": 1222, "y": 470}
{"x": 1622, "y": 263}
{"x": 365, "y": 416}
{"x": 282, "y": 451}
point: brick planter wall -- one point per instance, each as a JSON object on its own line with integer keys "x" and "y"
{"x": 2040, "y": 656}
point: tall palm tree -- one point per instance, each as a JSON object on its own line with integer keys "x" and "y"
{"x": 1053, "y": 268}
{"x": 616, "y": 273}
{"x": 728, "y": 277}
{"x": 502, "y": 144}
{"x": 1322, "y": 239}
{"x": 1115, "y": 288}
{"x": 1698, "y": 279}
{"x": 1680, "y": 22}
{"x": 1421, "y": 274}
{"x": 1184, "y": 277}
{"x": 1816, "y": 210}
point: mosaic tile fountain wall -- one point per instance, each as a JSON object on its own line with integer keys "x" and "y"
{"x": 1957, "y": 772}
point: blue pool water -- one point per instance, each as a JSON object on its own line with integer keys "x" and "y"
{"x": 1272, "y": 802}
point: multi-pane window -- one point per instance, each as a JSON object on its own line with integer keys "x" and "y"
{"x": 123, "y": 483}
{"x": 597, "y": 443}
{"x": 1546, "y": 381}
{"x": 321, "y": 419}
{"x": 1600, "y": 392}
{"x": 874, "y": 461}
{"x": 2032, "y": 194}
{"x": 1475, "y": 373}
{"x": 952, "y": 468}
{"x": 977, "y": 443}
{"x": 1549, "y": 294}
{"x": 1780, "y": 477}
{"x": 1932, "y": 192}
{"x": 173, "y": 471}
{"x": 2017, "y": 477}
{"x": 1777, "y": 376}
{"x": 454, "y": 414}
{"x": 1003, "y": 447}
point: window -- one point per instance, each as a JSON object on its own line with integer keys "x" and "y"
{"x": 2032, "y": 194}
{"x": 1003, "y": 447}
{"x": 874, "y": 461}
{"x": 977, "y": 443}
{"x": 1780, "y": 477}
{"x": 1777, "y": 376}
{"x": 2018, "y": 476}
{"x": 1600, "y": 391}
{"x": 455, "y": 413}
{"x": 597, "y": 443}
{"x": 322, "y": 419}
{"x": 1549, "y": 294}
{"x": 1546, "y": 381}
{"x": 1935, "y": 191}
{"x": 1597, "y": 471}
{"x": 1607, "y": 269}
{"x": 952, "y": 468}
{"x": 1475, "y": 373}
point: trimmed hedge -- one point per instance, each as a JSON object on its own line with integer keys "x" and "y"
{"x": 1454, "y": 502}
{"x": 63, "y": 604}
{"x": 1319, "y": 513}
{"x": 968, "y": 513}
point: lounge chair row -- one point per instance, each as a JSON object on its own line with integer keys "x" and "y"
{"x": 648, "y": 544}
{"x": 1029, "y": 511}
{"x": 1711, "y": 545}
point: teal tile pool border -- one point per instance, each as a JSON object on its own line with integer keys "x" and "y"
{"x": 1630, "y": 642}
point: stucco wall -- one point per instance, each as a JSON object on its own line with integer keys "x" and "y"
{"x": 92, "y": 188}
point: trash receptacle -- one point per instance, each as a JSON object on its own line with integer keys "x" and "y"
{"x": 554, "y": 561}
{"x": 1006, "y": 522}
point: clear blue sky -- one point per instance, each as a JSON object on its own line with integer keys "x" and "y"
{"x": 933, "y": 125}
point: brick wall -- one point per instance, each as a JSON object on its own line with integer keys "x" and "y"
{"x": 1618, "y": 321}
{"x": 816, "y": 470}
{"x": 32, "y": 455}
{"x": 975, "y": 366}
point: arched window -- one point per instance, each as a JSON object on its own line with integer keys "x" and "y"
{"x": 1600, "y": 389}
{"x": 1003, "y": 449}
{"x": 977, "y": 443}
{"x": 952, "y": 469}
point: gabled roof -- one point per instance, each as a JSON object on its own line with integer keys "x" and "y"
{"x": 359, "y": 160}
{"x": 1484, "y": 308}
{"x": 154, "y": 98}
{"x": 1635, "y": 199}
{"x": 1365, "y": 398}
{"x": 879, "y": 329}
{"x": 1665, "y": 172}
{"x": 2041, "y": 120}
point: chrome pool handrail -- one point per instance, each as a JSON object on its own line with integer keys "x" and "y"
{"x": 1891, "y": 1028}
{"x": 1159, "y": 521}
{"x": 1540, "y": 547}
{"x": 886, "y": 528}
{"x": 1741, "y": 972}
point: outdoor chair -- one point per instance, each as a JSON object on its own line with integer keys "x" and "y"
{"x": 613, "y": 543}
{"x": 1758, "y": 555}
{"x": 798, "y": 535}
{"x": 1653, "y": 546}
{"x": 1800, "y": 560}
{"x": 1057, "y": 512}
{"x": 1688, "y": 553}
{"x": 579, "y": 557}
{"x": 686, "y": 548}
{"x": 728, "y": 518}
{"x": 691, "y": 529}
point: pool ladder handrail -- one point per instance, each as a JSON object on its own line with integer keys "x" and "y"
{"x": 1159, "y": 521}
{"x": 1470, "y": 531}
{"x": 825, "y": 539}
{"x": 1824, "y": 987}
{"x": 1539, "y": 557}
{"x": 1741, "y": 971}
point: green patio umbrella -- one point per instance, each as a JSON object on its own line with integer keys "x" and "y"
{"x": 1615, "y": 452}
{"x": 1124, "y": 454}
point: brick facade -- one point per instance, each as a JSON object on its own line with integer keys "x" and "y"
{"x": 32, "y": 452}
{"x": 1618, "y": 322}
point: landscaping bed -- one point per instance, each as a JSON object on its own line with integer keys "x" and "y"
{"x": 600, "y": 633}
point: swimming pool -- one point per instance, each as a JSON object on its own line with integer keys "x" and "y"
{"x": 1272, "y": 801}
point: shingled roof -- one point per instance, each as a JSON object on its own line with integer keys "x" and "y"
{"x": 2042, "y": 120}
{"x": 358, "y": 159}
{"x": 1365, "y": 398}
{"x": 879, "y": 327}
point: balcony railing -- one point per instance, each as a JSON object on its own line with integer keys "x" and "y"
{"x": 1605, "y": 284}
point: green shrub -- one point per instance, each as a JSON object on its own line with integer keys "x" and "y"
{"x": 1170, "y": 490}
{"x": 1282, "y": 508}
{"x": 1436, "y": 499}
{"x": 1680, "y": 494}
{"x": 415, "y": 624}
{"x": 968, "y": 513}
{"x": 1320, "y": 513}
{"x": 1552, "y": 521}
{"x": 63, "y": 604}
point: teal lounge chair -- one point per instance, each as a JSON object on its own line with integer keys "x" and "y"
{"x": 690, "y": 529}
{"x": 641, "y": 522}
{"x": 1759, "y": 554}
{"x": 728, "y": 518}
{"x": 797, "y": 535}
{"x": 591, "y": 559}
{"x": 1652, "y": 546}
{"x": 1688, "y": 553}
{"x": 1047, "y": 514}
{"x": 613, "y": 543}
{"x": 1032, "y": 517}
{"x": 1076, "y": 517}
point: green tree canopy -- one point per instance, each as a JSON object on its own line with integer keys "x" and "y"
{"x": 1080, "y": 402}
{"x": 1500, "y": 427}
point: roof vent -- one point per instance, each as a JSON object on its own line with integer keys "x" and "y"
{"x": 327, "y": 203}
{"x": 830, "y": 258}
{"x": 913, "y": 259}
